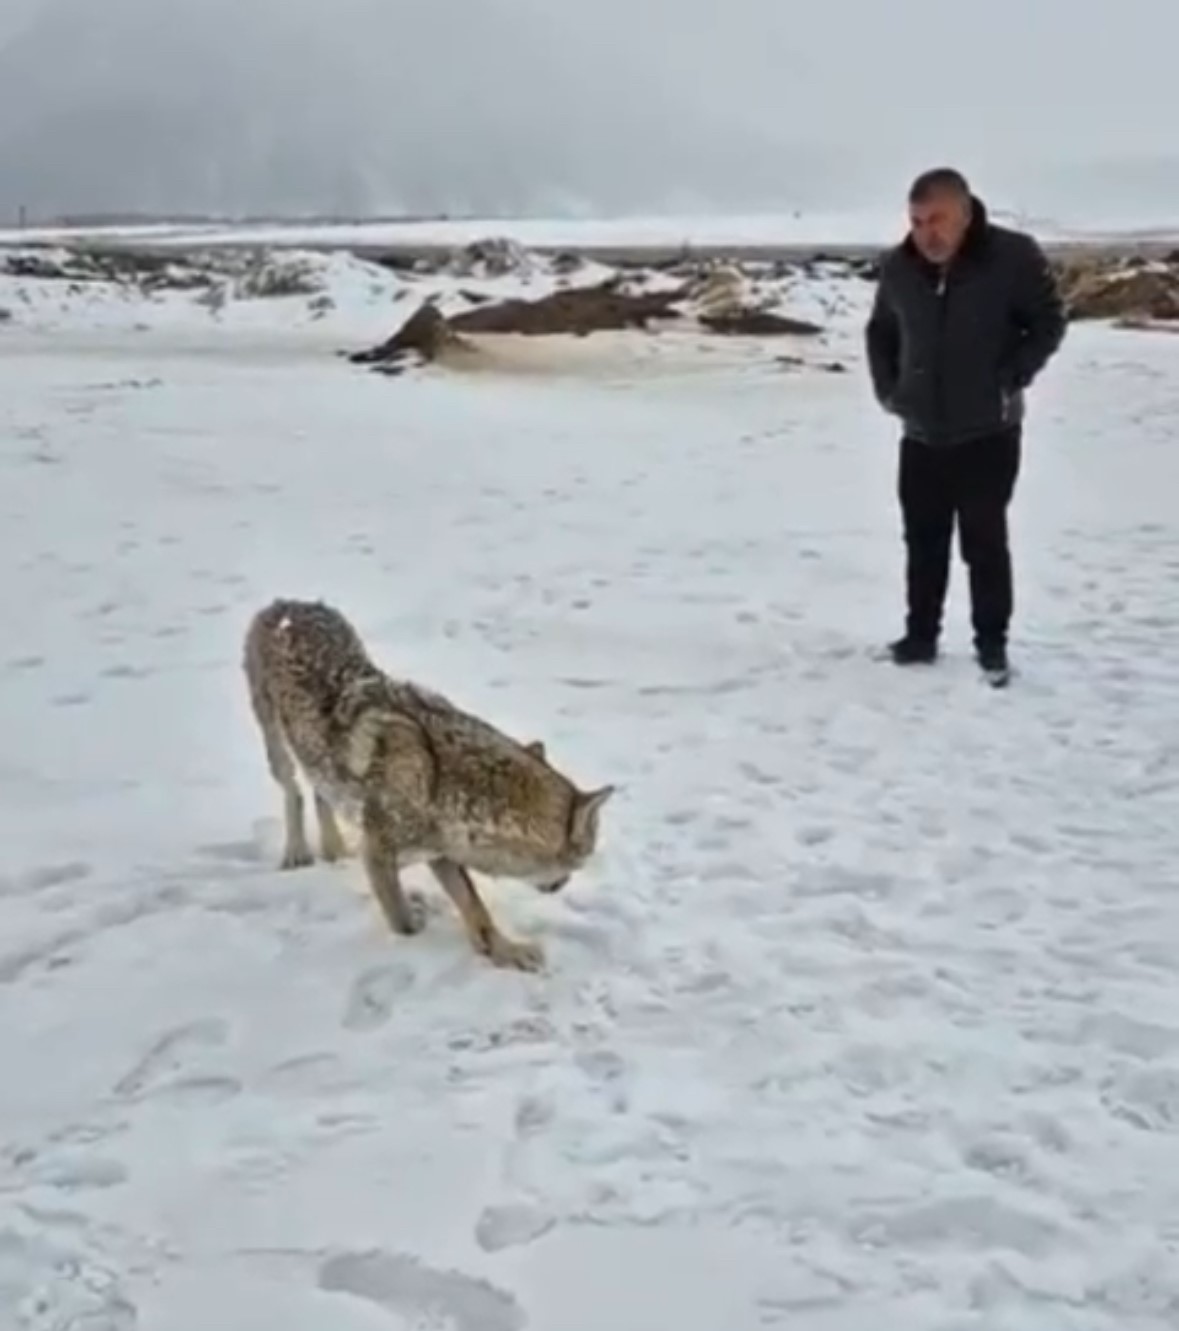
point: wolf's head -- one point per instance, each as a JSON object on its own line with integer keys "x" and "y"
{"x": 581, "y": 833}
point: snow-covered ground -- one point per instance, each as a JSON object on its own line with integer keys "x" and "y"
{"x": 869, "y": 1013}
{"x": 759, "y": 229}
{"x": 879, "y": 227}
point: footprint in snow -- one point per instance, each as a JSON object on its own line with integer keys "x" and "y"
{"x": 53, "y": 1287}
{"x": 373, "y": 996}
{"x": 511, "y": 1226}
{"x": 45, "y": 877}
{"x": 421, "y": 1295}
{"x": 169, "y": 1053}
{"x": 78, "y": 1173}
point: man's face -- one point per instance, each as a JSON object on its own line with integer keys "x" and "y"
{"x": 938, "y": 224}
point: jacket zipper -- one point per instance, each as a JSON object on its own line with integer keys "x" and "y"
{"x": 938, "y": 384}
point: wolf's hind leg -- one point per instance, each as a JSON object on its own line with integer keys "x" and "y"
{"x": 482, "y": 930}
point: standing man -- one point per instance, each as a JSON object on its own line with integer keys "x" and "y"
{"x": 966, "y": 315}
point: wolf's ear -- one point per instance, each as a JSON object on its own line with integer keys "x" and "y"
{"x": 585, "y": 813}
{"x": 536, "y": 748}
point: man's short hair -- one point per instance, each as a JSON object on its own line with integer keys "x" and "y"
{"x": 941, "y": 180}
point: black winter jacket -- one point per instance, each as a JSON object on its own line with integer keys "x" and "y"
{"x": 951, "y": 351}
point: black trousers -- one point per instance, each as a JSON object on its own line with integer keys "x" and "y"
{"x": 972, "y": 484}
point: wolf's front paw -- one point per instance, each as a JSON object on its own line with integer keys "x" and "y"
{"x": 333, "y": 848}
{"x": 412, "y": 919}
{"x": 514, "y": 954}
{"x": 296, "y": 857}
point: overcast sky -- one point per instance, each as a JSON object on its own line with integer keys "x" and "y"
{"x": 1048, "y": 104}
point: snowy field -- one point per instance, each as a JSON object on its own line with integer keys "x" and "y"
{"x": 758, "y": 229}
{"x": 868, "y": 1013}
{"x": 879, "y": 227}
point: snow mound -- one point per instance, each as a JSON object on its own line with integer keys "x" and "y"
{"x": 1134, "y": 289}
{"x": 290, "y": 291}
{"x": 51, "y": 288}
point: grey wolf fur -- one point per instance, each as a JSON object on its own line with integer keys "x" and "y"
{"x": 423, "y": 780}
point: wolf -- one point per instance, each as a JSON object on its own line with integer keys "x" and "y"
{"x": 423, "y": 780}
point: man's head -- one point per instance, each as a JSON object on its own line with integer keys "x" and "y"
{"x": 939, "y": 213}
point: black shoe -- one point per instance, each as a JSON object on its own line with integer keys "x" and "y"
{"x": 913, "y": 651}
{"x": 992, "y": 657}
